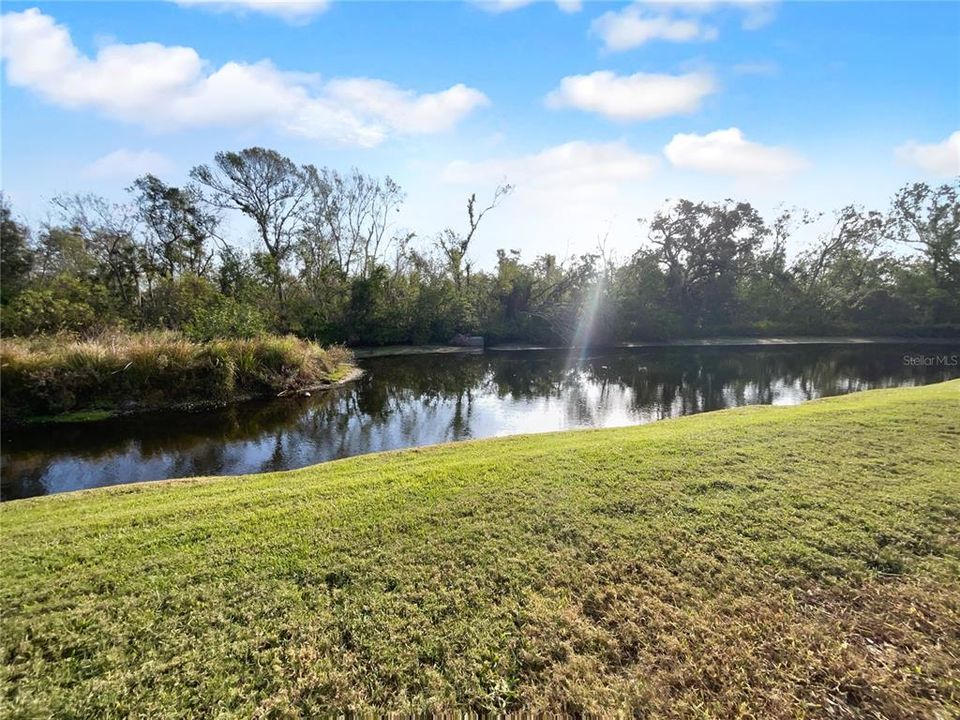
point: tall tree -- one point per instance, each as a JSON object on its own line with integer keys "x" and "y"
{"x": 929, "y": 219}
{"x": 178, "y": 227}
{"x": 705, "y": 249}
{"x": 62, "y": 250}
{"x": 267, "y": 187}
{"x": 107, "y": 230}
{"x": 847, "y": 263}
{"x": 347, "y": 220}
{"x": 16, "y": 257}
{"x": 455, "y": 245}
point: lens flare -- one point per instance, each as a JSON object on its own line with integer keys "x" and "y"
{"x": 585, "y": 326}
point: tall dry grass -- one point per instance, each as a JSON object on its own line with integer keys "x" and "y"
{"x": 51, "y": 375}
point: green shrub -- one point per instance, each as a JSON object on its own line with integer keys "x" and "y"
{"x": 64, "y": 304}
{"x": 174, "y": 303}
{"x": 225, "y": 318}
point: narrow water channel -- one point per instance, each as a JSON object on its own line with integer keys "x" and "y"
{"x": 420, "y": 400}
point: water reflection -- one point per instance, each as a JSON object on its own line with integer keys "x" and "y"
{"x": 409, "y": 401}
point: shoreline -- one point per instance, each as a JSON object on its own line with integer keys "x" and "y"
{"x": 99, "y": 414}
{"x": 780, "y": 341}
{"x": 453, "y": 445}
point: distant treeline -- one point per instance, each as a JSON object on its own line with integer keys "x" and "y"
{"x": 331, "y": 266}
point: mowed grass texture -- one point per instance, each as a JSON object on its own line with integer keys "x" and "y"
{"x": 760, "y": 562}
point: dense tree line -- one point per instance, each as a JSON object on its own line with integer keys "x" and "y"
{"x": 331, "y": 265}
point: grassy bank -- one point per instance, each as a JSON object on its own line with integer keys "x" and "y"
{"x": 759, "y": 562}
{"x": 61, "y": 378}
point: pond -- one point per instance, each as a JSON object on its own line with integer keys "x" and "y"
{"x": 425, "y": 399}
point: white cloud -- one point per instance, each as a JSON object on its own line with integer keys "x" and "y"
{"x": 727, "y": 152}
{"x": 672, "y": 21}
{"x": 501, "y": 6}
{"x": 632, "y": 27}
{"x": 941, "y": 159}
{"x": 292, "y": 11}
{"x": 168, "y": 88}
{"x": 573, "y": 165}
{"x": 127, "y": 165}
{"x": 632, "y": 97}
{"x": 567, "y": 196}
{"x": 756, "y": 13}
{"x": 404, "y": 110}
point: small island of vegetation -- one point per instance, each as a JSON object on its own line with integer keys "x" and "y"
{"x": 61, "y": 378}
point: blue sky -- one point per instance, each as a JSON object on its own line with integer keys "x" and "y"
{"x": 596, "y": 111}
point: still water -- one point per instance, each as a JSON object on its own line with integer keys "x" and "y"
{"x": 420, "y": 400}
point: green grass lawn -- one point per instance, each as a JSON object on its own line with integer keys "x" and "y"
{"x": 760, "y": 562}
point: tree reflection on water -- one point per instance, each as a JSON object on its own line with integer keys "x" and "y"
{"x": 418, "y": 400}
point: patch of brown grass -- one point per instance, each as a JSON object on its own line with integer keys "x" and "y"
{"x": 887, "y": 649}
